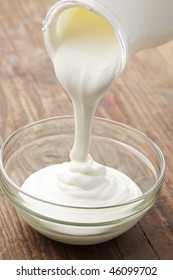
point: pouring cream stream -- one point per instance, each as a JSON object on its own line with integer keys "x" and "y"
{"x": 86, "y": 55}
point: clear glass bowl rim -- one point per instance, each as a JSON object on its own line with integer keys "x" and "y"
{"x": 124, "y": 126}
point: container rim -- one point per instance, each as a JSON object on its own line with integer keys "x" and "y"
{"x": 98, "y": 9}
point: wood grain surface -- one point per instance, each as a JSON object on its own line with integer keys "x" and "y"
{"x": 142, "y": 97}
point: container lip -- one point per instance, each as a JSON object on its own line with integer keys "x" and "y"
{"x": 102, "y": 11}
{"x": 4, "y": 175}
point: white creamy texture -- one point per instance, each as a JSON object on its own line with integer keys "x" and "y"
{"x": 81, "y": 184}
{"x": 86, "y": 56}
{"x": 85, "y": 61}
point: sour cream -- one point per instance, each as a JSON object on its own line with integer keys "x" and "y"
{"x": 86, "y": 55}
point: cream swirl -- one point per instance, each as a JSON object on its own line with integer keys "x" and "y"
{"x": 87, "y": 184}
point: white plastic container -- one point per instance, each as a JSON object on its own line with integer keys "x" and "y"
{"x": 138, "y": 24}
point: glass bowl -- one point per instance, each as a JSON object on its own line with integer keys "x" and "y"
{"x": 113, "y": 144}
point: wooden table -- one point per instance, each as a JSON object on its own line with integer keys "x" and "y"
{"x": 142, "y": 97}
